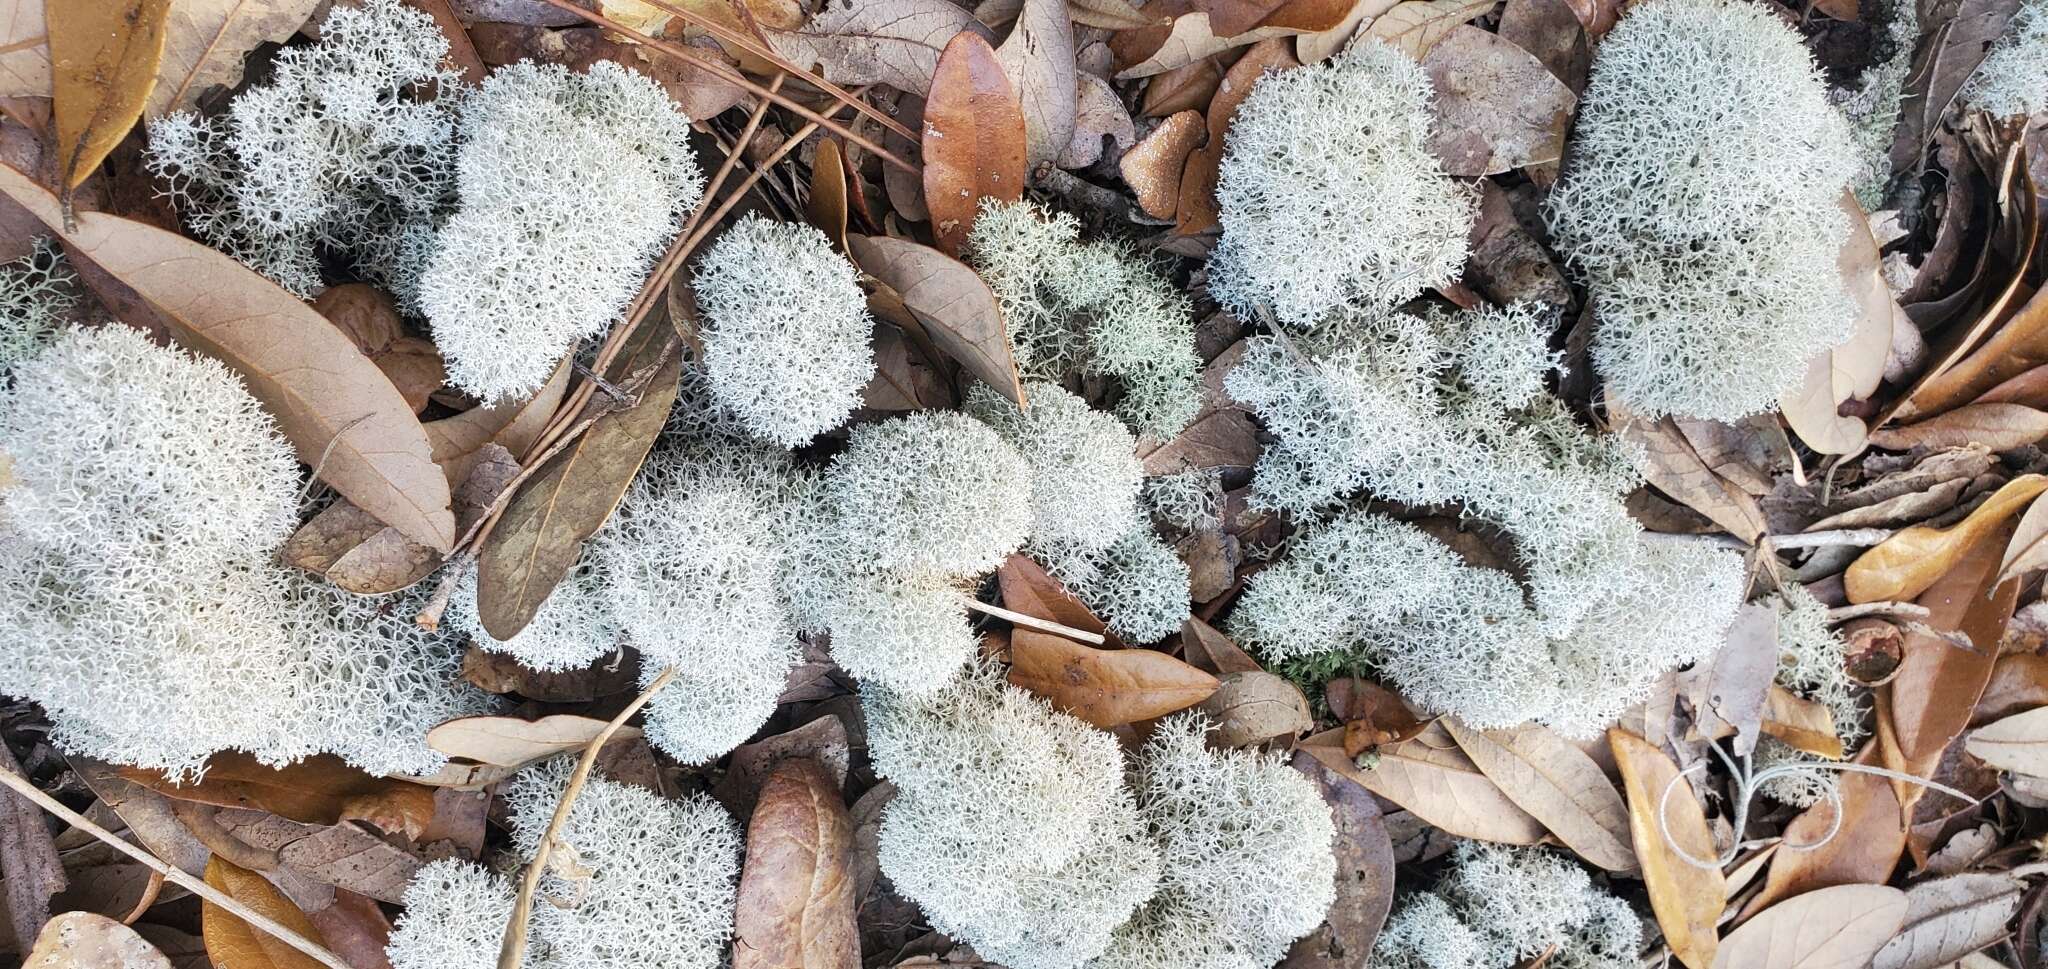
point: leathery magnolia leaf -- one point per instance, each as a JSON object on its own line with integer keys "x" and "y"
{"x": 541, "y": 534}
{"x": 1105, "y": 687}
{"x": 338, "y": 410}
{"x": 1906, "y": 564}
{"x": 2018, "y": 743}
{"x": 1559, "y": 785}
{"x": 103, "y": 58}
{"x": 973, "y": 139}
{"x": 234, "y": 944}
{"x": 84, "y": 940}
{"x": 1852, "y": 370}
{"x": 796, "y": 899}
{"x": 512, "y": 742}
{"x": 1686, "y": 898}
{"x": 321, "y": 789}
{"x": 1949, "y": 918}
{"x": 1435, "y": 781}
{"x": 958, "y": 311}
{"x": 1834, "y": 928}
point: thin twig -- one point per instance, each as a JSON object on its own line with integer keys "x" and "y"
{"x": 513, "y": 952}
{"x": 1901, "y": 610}
{"x": 728, "y": 73}
{"x": 1857, "y": 537}
{"x": 1035, "y": 623}
{"x": 196, "y": 886}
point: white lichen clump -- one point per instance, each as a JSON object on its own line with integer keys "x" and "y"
{"x": 652, "y": 884}
{"x": 1500, "y": 906}
{"x": 1329, "y": 195}
{"x": 569, "y": 185}
{"x": 1702, "y": 206}
{"x": 786, "y": 329}
{"x": 911, "y": 509}
{"x": 1188, "y": 500}
{"x": 1090, "y": 309}
{"x": 1138, "y": 585}
{"x": 36, "y": 291}
{"x": 150, "y": 496}
{"x": 335, "y": 152}
{"x": 1449, "y": 410}
{"x": 1011, "y": 827}
{"x": 1813, "y": 664}
{"x": 1871, "y": 105}
{"x": 1245, "y": 843}
{"x": 2013, "y": 79}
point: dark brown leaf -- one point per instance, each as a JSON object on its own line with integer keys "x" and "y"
{"x": 1211, "y": 651}
{"x": 1027, "y": 588}
{"x": 1105, "y": 687}
{"x": 1365, "y": 874}
{"x": 796, "y": 896}
{"x": 103, "y": 59}
{"x": 355, "y": 929}
{"x": 1373, "y": 715}
{"x": 1153, "y": 167}
{"x": 957, "y": 310}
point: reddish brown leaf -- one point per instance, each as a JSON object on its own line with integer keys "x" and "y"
{"x": 1196, "y": 208}
{"x": 2019, "y": 344}
{"x": 1153, "y": 167}
{"x": 1800, "y": 722}
{"x": 2000, "y": 427}
{"x": 1686, "y": 897}
{"x": 2019, "y": 681}
{"x": 1027, "y": 588}
{"x": 321, "y": 789}
{"x": 1105, "y": 687}
{"x": 2029, "y": 388}
{"x": 973, "y": 139}
{"x": 1373, "y": 715}
{"x": 234, "y": 944}
{"x": 355, "y": 929}
{"x": 951, "y": 304}
{"x": 1864, "y": 850}
{"x": 796, "y": 901}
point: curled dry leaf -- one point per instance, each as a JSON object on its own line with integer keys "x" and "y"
{"x": 2000, "y": 427}
{"x": 1906, "y": 564}
{"x": 104, "y": 58}
{"x": 1841, "y": 927}
{"x": 826, "y": 207}
{"x": 1949, "y": 918}
{"x": 1365, "y": 874}
{"x": 1559, "y": 785}
{"x": 234, "y": 944}
{"x": 1373, "y": 715}
{"x": 1497, "y": 107}
{"x": 974, "y": 139}
{"x": 1433, "y": 779}
{"x": 893, "y": 42}
{"x": 1038, "y": 56}
{"x": 1251, "y": 707}
{"x": 1028, "y": 588}
{"x": 1852, "y": 370}
{"x": 1728, "y": 692}
{"x": 2018, "y": 743}
{"x": 1152, "y": 167}
{"x": 205, "y": 45}
{"x": 1321, "y": 45}
{"x": 1686, "y": 898}
{"x": 1800, "y": 722}
{"x": 84, "y": 940}
{"x": 1105, "y": 687}
{"x": 1196, "y": 210}
{"x": 1196, "y": 34}
{"x": 952, "y": 304}
{"x": 370, "y": 318}
{"x": 512, "y": 742}
{"x": 796, "y": 898}
{"x": 2019, "y": 682}
{"x": 340, "y": 412}
{"x": 321, "y": 789}
{"x": 1415, "y": 26}
{"x": 1671, "y": 462}
{"x": 1211, "y": 651}
{"x": 541, "y": 534}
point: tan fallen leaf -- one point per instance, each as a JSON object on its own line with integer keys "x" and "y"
{"x": 513, "y": 742}
{"x": 84, "y": 940}
{"x": 1949, "y": 918}
{"x": 1852, "y": 370}
{"x": 1415, "y": 26}
{"x": 1497, "y": 107}
{"x": 370, "y": 318}
{"x": 1833, "y": 928}
{"x": 2000, "y": 427}
{"x": 1686, "y": 897}
{"x": 1729, "y": 691}
{"x": 1859, "y": 846}
{"x": 1670, "y": 461}
{"x": 1906, "y": 564}
{"x": 1099, "y": 113}
{"x": 1028, "y": 588}
{"x": 1557, "y": 784}
{"x": 1802, "y": 723}
{"x": 2018, "y": 345}
{"x": 232, "y": 943}
{"x": 1433, "y": 779}
{"x": 796, "y": 897}
{"x": 2018, "y": 743}
{"x": 337, "y": 409}
{"x": 321, "y": 789}
{"x": 1251, "y": 707}
{"x": 954, "y": 306}
{"x": 104, "y": 58}
{"x": 1038, "y": 56}
{"x": 1152, "y": 167}
{"x": 1196, "y": 210}
{"x": 974, "y": 139}
{"x": 2027, "y": 550}
{"x": 827, "y": 208}
{"x": 1105, "y": 687}
{"x": 893, "y": 42}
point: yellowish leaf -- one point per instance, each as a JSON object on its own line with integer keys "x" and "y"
{"x": 1906, "y": 564}
{"x": 234, "y": 944}
{"x": 1687, "y": 898}
{"x": 103, "y": 57}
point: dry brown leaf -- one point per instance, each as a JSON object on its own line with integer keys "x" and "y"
{"x": 957, "y": 310}
{"x": 893, "y": 42}
{"x": 540, "y": 535}
{"x": 1038, "y": 57}
{"x": 1183, "y": 88}
{"x": 1949, "y": 918}
{"x": 796, "y": 900}
{"x": 2029, "y": 387}
{"x": 1191, "y": 37}
{"x": 513, "y": 742}
{"x": 1557, "y": 784}
{"x": 2028, "y": 549}
{"x": 1028, "y": 588}
{"x": 104, "y": 58}
{"x": 1373, "y": 715}
{"x": 1864, "y": 847}
{"x": 1906, "y": 564}
{"x": 24, "y": 50}
{"x": 321, "y": 789}
{"x": 1802, "y": 723}
{"x": 1497, "y": 107}
{"x": 84, "y": 940}
{"x": 1196, "y": 210}
{"x": 1152, "y": 168}
{"x": 2018, "y": 743}
{"x": 1434, "y": 780}
{"x": 1109, "y": 14}
{"x": 1415, "y": 26}
{"x": 2019, "y": 682}
{"x": 330, "y": 401}
{"x": 370, "y": 318}
{"x": 1098, "y": 113}
{"x": 1686, "y": 898}
{"x": 234, "y": 944}
{"x": 513, "y": 425}
{"x": 1251, "y": 707}
{"x": 1728, "y": 691}
{"x": 822, "y": 741}
{"x": 1321, "y": 45}
{"x": 1365, "y": 874}
{"x": 1550, "y": 30}
{"x": 30, "y": 871}
{"x": 355, "y": 929}
{"x": 1211, "y": 651}
{"x": 2000, "y": 427}
{"x": 1508, "y": 265}
{"x": 1840, "y": 927}
{"x": 826, "y": 208}
{"x": 905, "y": 377}
{"x": 974, "y": 139}
{"x": 1105, "y": 687}
{"x": 205, "y": 45}
{"x": 1675, "y": 467}
{"x": 1853, "y": 370}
